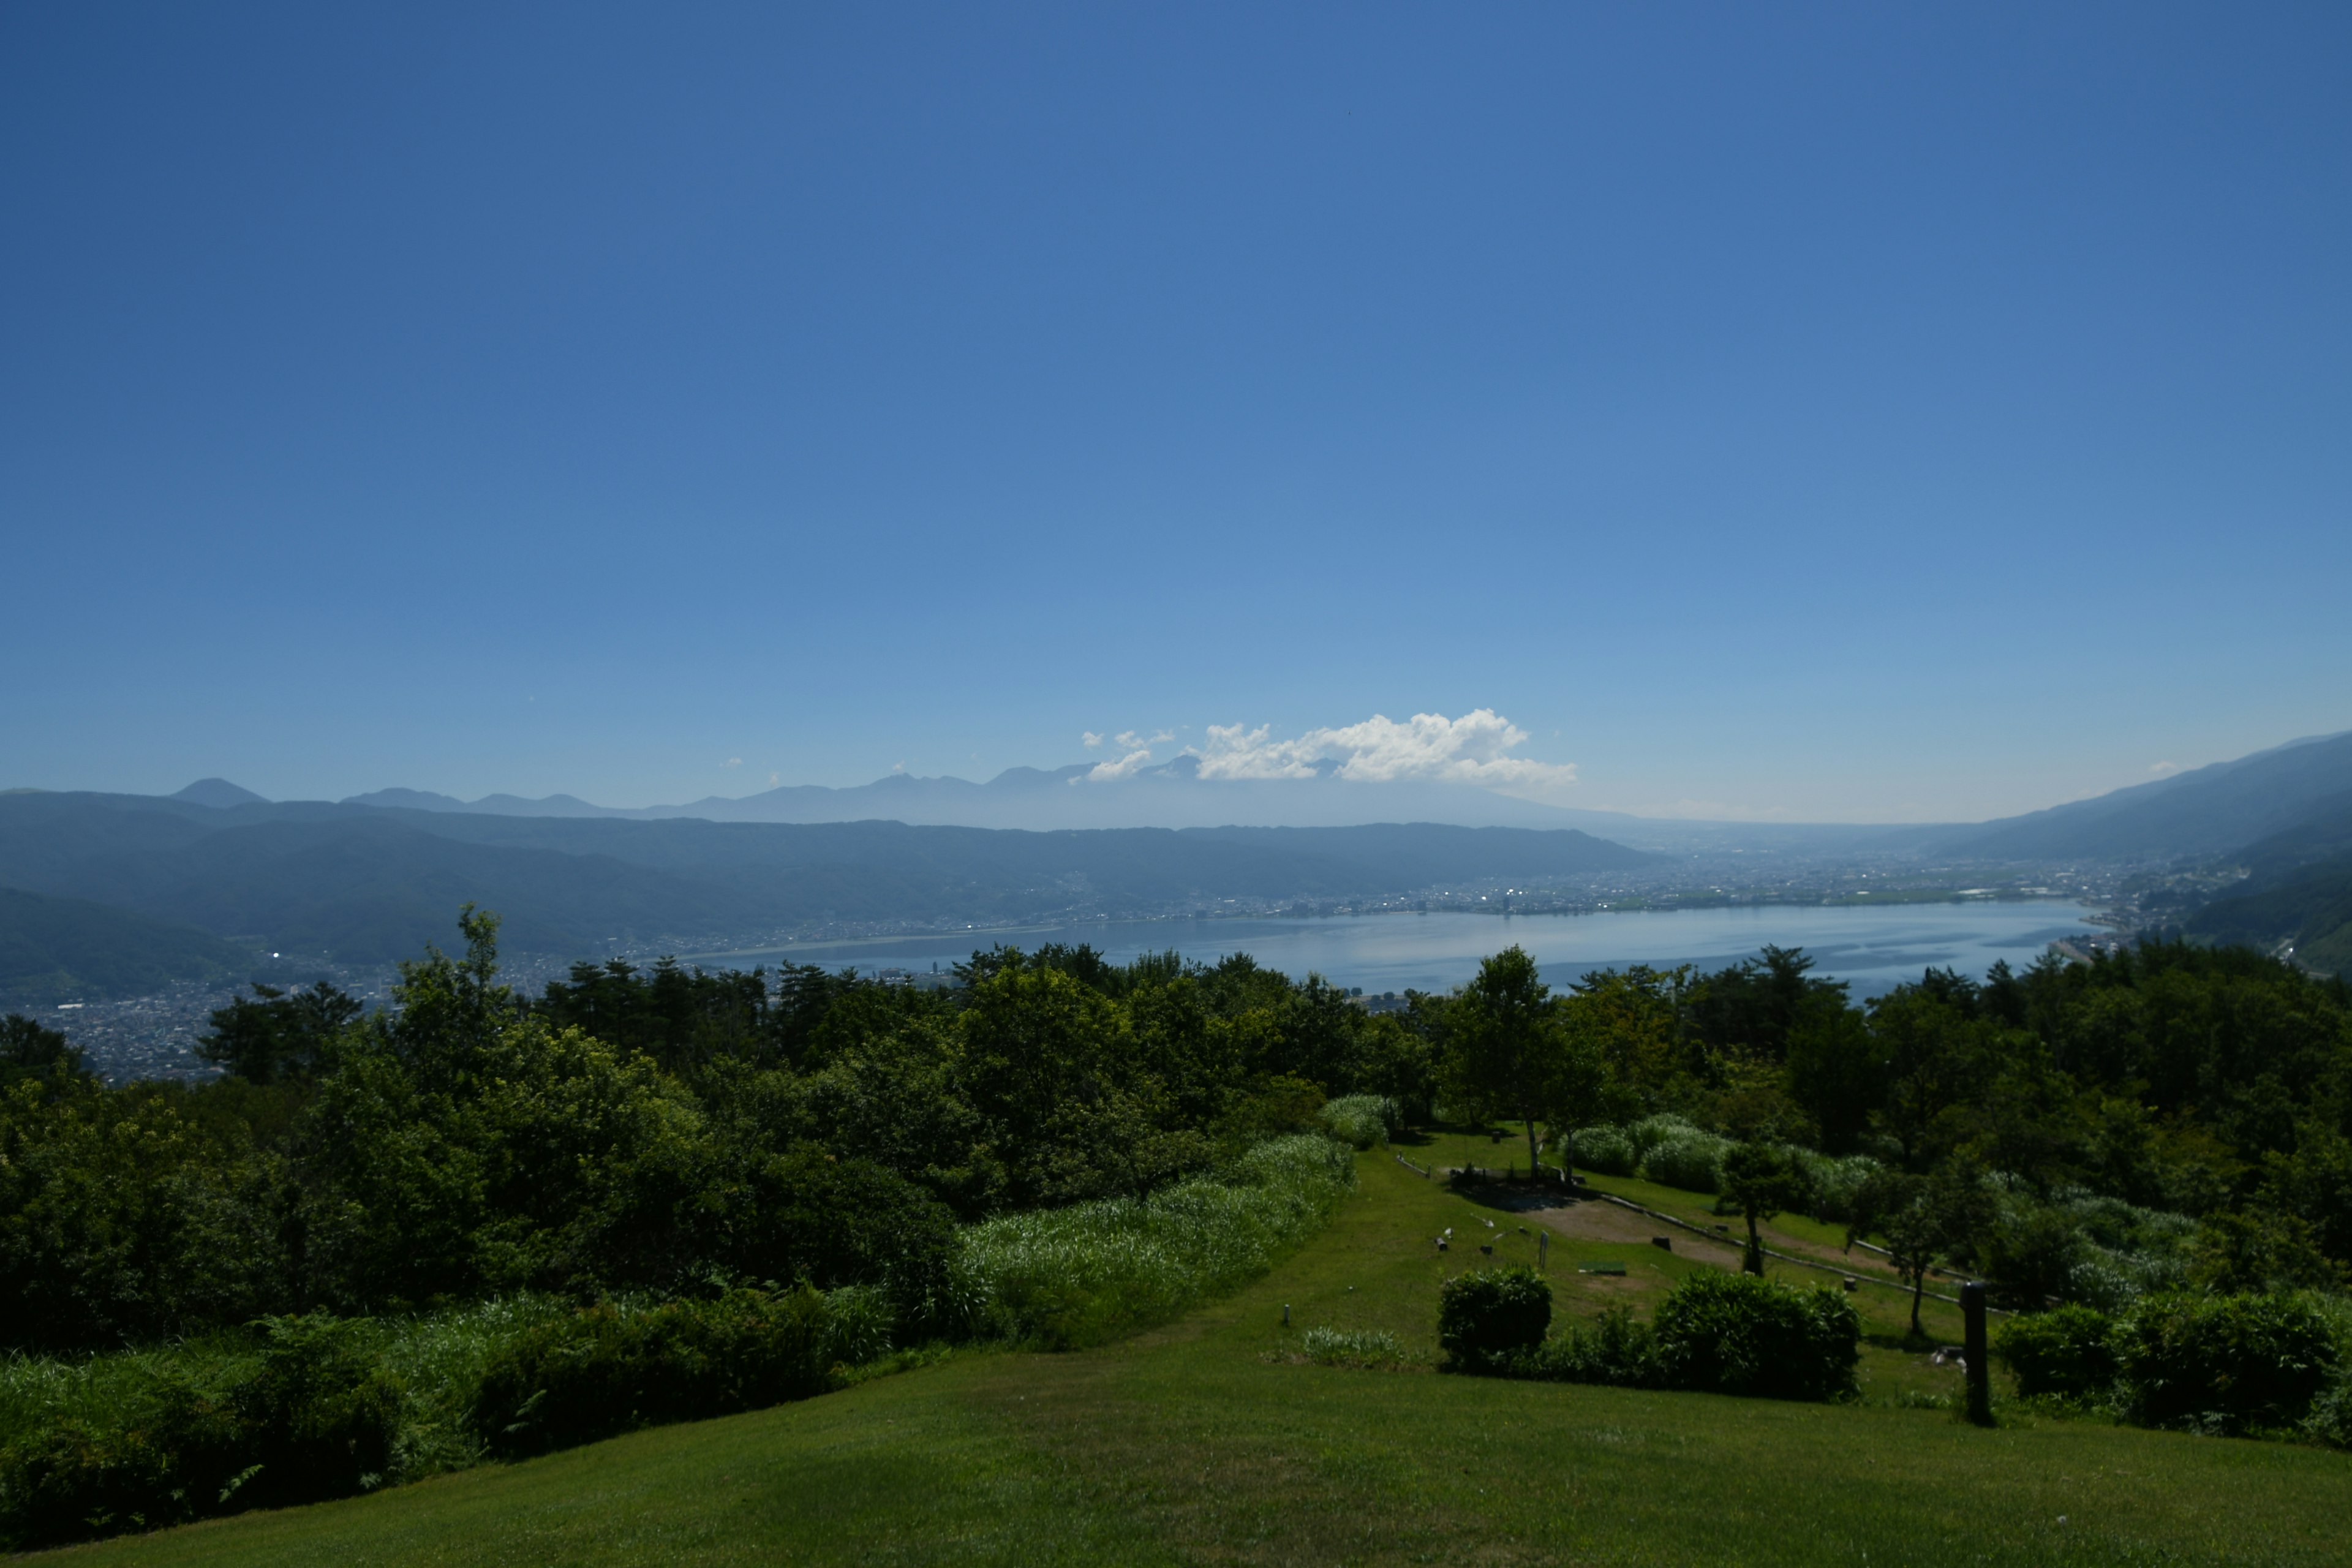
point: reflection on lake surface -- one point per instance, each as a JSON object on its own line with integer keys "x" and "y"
{"x": 1872, "y": 949}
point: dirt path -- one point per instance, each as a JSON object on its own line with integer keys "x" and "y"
{"x": 1593, "y": 1219}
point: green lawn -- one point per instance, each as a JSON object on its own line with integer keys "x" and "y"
{"x": 1209, "y": 1440}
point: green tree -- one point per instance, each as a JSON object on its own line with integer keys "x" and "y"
{"x": 272, "y": 1035}
{"x": 1505, "y": 1052}
{"x": 1761, "y": 1181}
{"x": 1920, "y": 1220}
{"x": 30, "y": 1051}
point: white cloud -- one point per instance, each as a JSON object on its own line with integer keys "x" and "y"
{"x": 2164, "y": 769}
{"x": 732, "y": 763}
{"x": 1089, "y": 736}
{"x": 1104, "y": 772}
{"x": 774, "y": 779}
{"x": 1473, "y": 750}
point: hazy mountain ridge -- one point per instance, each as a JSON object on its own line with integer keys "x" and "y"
{"x": 369, "y": 884}
{"x": 2216, "y": 810}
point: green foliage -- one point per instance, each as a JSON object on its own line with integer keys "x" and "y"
{"x": 1507, "y": 1052}
{"x": 2224, "y": 1364}
{"x": 273, "y": 1035}
{"x": 312, "y": 1415}
{"x": 1759, "y": 1182}
{"x": 1351, "y": 1347}
{"x": 604, "y": 1369}
{"x": 1687, "y": 1159}
{"x": 1607, "y": 1149}
{"x": 1076, "y": 1276}
{"x": 1485, "y": 1316}
{"x": 1362, "y": 1120}
{"x": 29, "y": 1052}
{"x": 1617, "y": 1350}
{"x": 2067, "y": 1353}
{"x": 1736, "y": 1333}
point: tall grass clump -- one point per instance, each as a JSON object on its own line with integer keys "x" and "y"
{"x": 1834, "y": 1183}
{"x": 1363, "y": 1121}
{"x": 1608, "y": 1150}
{"x": 1076, "y": 1275}
{"x": 1688, "y": 1158}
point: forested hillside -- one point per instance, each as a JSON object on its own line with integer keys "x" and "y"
{"x": 54, "y": 950}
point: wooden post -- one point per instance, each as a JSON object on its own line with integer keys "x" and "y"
{"x": 1543, "y": 1249}
{"x": 1979, "y": 1360}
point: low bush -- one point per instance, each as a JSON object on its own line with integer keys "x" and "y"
{"x": 2223, "y": 1364}
{"x": 606, "y": 1370}
{"x": 1351, "y": 1347}
{"x": 1364, "y": 1121}
{"x": 310, "y": 1414}
{"x": 1834, "y": 1183}
{"x": 2067, "y": 1353}
{"x": 1485, "y": 1316}
{"x": 1690, "y": 1160}
{"x": 1616, "y": 1351}
{"x": 1736, "y": 1333}
{"x": 1608, "y": 1150}
{"x": 1074, "y": 1275}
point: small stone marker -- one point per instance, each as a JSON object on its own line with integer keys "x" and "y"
{"x": 1663, "y": 1243}
{"x": 1852, "y": 1283}
{"x": 1487, "y": 1248}
{"x": 1616, "y": 1269}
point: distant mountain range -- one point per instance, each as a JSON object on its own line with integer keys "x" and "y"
{"x": 367, "y": 884}
{"x": 1171, "y": 795}
{"x": 375, "y": 877}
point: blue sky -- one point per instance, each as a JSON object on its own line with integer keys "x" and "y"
{"x": 1845, "y": 413}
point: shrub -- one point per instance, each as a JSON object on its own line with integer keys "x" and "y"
{"x": 1651, "y": 1131}
{"x": 2068, "y": 1352}
{"x": 1486, "y": 1315}
{"x": 312, "y": 1415}
{"x": 1074, "y": 1276}
{"x": 1736, "y": 1333}
{"x": 1608, "y": 1150}
{"x": 858, "y": 1320}
{"x": 1834, "y": 1183}
{"x": 606, "y": 1369}
{"x": 1616, "y": 1351}
{"x": 1690, "y": 1159}
{"x": 2223, "y": 1364}
{"x": 1351, "y": 1347}
{"x": 1364, "y": 1121}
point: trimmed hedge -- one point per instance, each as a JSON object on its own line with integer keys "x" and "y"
{"x": 1488, "y": 1314}
{"x": 1736, "y": 1333}
{"x": 2067, "y": 1353}
{"x": 2223, "y": 1364}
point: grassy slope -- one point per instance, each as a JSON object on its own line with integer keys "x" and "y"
{"x": 1204, "y": 1440}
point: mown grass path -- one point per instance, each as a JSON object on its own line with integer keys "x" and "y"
{"x": 1206, "y": 1441}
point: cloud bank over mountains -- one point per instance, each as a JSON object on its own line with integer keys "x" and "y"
{"x": 1473, "y": 750}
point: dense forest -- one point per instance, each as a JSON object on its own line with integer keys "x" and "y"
{"x": 2073, "y": 1132}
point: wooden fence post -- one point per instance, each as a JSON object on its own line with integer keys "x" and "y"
{"x": 1979, "y": 1360}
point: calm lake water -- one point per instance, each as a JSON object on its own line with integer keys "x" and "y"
{"x": 1871, "y": 949}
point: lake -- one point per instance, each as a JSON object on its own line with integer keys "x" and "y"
{"x": 1871, "y": 949}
